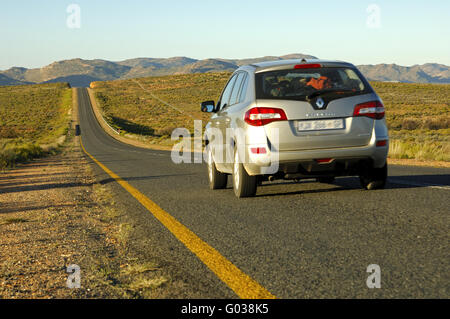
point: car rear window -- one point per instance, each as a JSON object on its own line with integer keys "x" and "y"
{"x": 298, "y": 84}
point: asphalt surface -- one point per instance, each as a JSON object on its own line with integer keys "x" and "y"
{"x": 298, "y": 240}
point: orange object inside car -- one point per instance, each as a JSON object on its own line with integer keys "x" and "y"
{"x": 321, "y": 83}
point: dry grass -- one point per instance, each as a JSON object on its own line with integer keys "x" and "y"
{"x": 428, "y": 151}
{"x": 31, "y": 115}
{"x": 418, "y": 116}
{"x": 8, "y": 221}
{"x": 132, "y": 269}
{"x": 133, "y": 277}
{"x": 147, "y": 283}
{"x": 126, "y": 106}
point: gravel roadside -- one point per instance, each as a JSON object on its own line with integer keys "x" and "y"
{"x": 53, "y": 213}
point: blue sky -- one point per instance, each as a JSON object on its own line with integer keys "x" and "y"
{"x": 34, "y": 33}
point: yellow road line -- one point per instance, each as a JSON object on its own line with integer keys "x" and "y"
{"x": 242, "y": 284}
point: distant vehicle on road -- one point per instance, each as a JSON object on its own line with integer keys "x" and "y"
{"x": 318, "y": 119}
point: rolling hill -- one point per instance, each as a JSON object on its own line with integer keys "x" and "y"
{"x": 79, "y": 72}
{"x": 426, "y": 73}
{"x": 5, "y": 80}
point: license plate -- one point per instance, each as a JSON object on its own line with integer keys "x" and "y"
{"x": 320, "y": 125}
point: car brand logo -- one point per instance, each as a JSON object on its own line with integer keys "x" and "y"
{"x": 320, "y": 103}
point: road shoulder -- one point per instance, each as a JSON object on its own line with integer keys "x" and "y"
{"x": 54, "y": 213}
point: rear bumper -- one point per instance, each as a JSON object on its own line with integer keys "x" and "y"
{"x": 348, "y": 157}
{"x": 344, "y": 160}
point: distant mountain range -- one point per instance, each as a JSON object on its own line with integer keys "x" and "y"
{"x": 80, "y": 72}
{"x": 4, "y": 80}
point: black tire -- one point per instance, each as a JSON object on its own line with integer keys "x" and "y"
{"x": 217, "y": 180}
{"x": 374, "y": 178}
{"x": 244, "y": 185}
{"x": 326, "y": 179}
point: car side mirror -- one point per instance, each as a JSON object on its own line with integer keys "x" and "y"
{"x": 208, "y": 107}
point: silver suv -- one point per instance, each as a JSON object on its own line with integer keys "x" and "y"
{"x": 295, "y": 119}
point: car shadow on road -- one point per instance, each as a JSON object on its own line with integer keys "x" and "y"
{"x": 305, "y": 191}
{"x": 352, "y": 183}
{"x": 414, "y": 181}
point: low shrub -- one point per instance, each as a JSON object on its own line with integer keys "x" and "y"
{"x": 10, "y": 156}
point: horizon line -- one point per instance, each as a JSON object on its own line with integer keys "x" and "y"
{"x": 200, "y": 59}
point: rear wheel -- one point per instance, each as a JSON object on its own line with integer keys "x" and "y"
{"x": 217, "y": 180}
{"x": 244, "y": 185}
{"x": 374, "y": 178}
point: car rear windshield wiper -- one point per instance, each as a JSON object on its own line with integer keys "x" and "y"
{"x": 321, "y": 92}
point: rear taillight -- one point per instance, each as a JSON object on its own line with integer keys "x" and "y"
{"x": 324, "y": 160}
{"x": 308, "y": 66}
{"x": 373, "y": 109}
{"x": 259, "y": 116}
{"x": 258, "y": 150}
{"x": 381, "y": 143}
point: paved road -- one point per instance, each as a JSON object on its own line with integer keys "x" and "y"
{"x": 298, "y": 240}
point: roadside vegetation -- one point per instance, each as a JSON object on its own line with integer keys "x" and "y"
{"x": 418, "y": 115}
{"x": 133, "y": 111}
{"x": 32, "y": 118}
